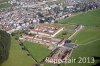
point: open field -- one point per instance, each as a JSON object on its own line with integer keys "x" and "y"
{"x": 91, "y": 18}
{"x": 68, "y": 30}
{"x": 38, "y": 52}
{"x": 87, "y": 35}
{"x": 91, "y": 30}
{"x": 63, "y": 34}
{"x": 5, "y": 5}
{"x": 89, "y": 50}
{"x": 17, "y": 56}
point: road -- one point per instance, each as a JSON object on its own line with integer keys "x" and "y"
{"x": 81, "y": 27}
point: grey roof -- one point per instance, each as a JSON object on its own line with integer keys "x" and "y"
{"x": 70, "y": 45}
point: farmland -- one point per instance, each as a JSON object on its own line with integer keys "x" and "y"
{"x": 91, "y": 30}
{"x": 88, "y": 38}
{"x": 90, "y": 18}
{"x": 87, "y": 35}
{"x": 90, "y": 50}
{"x": 17, "y": 56}
{"x": 38, "y": 52}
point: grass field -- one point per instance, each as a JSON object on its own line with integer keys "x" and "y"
{"x": 89, "y": 37}
{"x": 5, "y": 5}
{"x": 39, "y": 52}
{"x": 89, "y": 50}
{"x": 68, "y": 30}
{"x": 91, "y": 21}
{"x": 17, "y": 56}
{"x": 91, "y": 18}
{"x": 62, "y": 35}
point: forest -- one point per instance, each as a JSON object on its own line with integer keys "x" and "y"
{"x": 5, "y": 42}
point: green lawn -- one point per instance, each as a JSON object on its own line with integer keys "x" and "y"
{"x": 39, "y": 52}
{"x": 91, "y": 18}
{"x": 17, "y": 56}
{"x": 88, "y": 38}
{"x": 87, "y": 35}
{"x": 68, "y": 30}
{"x": 62, "y": 35}
{"x": 91, "y": 31}
{"x": 5, "y": 5}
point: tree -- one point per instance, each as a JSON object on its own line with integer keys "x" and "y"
{"x": 5, "y": 41}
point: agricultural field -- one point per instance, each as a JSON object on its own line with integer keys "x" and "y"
{"x": 89, "y": 50}
{"x": 90, "y": 18}
{"x": 87, "y": 35}
{"x": 88, "y": 38}
{"x": 38, "y": 52}
{"x": 91, "y": 30}
{"x": 17, "y": 56}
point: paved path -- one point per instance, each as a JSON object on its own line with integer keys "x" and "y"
{"x": 81, "y": 27}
